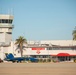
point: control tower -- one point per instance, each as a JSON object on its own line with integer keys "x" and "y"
{"x": 6, "y": 29}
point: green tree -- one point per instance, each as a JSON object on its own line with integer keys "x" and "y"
{"x": 74, "y": 34}
{"x": 20, "y": 42}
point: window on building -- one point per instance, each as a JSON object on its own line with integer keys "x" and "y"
{"x": 0, "y": 21}
{"x": 55, "y": 48}
{"x": 49, "y": 48}
{"x": 10, "y": 21}
{"x": 9, "y": 33}
{"x": 74, "y": 48}
{"x": 5, "y": 21}
{"x": 14, "y": 54}
{"x": 61, "y": 48}
{"x": 18, "y": 51}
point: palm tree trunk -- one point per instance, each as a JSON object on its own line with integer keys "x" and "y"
{"x": 21, "y": 51}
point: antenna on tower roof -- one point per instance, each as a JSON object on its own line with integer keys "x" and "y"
{"x": 10, "y": 12}
{"x": 1, "y": 10}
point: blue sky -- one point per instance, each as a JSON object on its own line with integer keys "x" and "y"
{"x": 41, "y": 19}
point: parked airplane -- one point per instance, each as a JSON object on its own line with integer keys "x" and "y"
{"x": 10, "y": 57}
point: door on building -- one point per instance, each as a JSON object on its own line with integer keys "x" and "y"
{"x": 64, "y": 58}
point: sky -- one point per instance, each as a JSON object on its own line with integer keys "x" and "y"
{"x": 41, "y": 19}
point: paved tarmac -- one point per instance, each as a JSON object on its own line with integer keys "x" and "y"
{"x": 38, "y": 68}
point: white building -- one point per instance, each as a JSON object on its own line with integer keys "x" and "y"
{"x": 61, "y": 49}
{"x": 5, "y": 33}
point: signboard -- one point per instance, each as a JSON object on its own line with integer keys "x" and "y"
{"x": 35, "y": 48}
{"x": 38, "y": 49}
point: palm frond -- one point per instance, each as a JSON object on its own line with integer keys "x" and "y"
{"x": 74, "y": 34}
{"x": 20, "y": 41}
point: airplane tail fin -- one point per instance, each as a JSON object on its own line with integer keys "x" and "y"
{"x": 10, "y": 56}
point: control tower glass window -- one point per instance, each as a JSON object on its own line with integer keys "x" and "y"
{"x": 5, "y": 21}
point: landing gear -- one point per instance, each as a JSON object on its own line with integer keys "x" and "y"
{"x": 13, "y": 61}
{"x": 18, "y": 61}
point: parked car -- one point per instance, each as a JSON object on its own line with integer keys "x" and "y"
{"x": 1, "y": 60}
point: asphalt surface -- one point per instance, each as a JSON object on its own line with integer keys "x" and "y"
{"x": 38, "y": 68}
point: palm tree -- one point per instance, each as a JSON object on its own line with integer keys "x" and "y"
{"x": 74, "y": 34}
{"x": 20, "y": 41}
